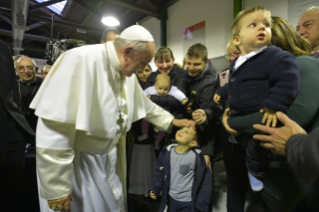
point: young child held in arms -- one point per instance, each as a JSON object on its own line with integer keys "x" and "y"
{"x": 182, "y": 176}
{"x": 162, "y": 87}
{"x": 264, "y": 78}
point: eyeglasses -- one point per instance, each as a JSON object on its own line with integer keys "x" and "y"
{"x": 235, "y": 54}
{"x": 22, "y": 68}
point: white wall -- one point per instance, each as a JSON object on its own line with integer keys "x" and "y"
{"x": 218, "y": 16}
{"x": 153, "y": 25}
{"x": 277, "y": 7}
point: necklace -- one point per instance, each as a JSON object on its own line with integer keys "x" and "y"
{"x": 24, "y": 109}
{"x": 118, "y": 97}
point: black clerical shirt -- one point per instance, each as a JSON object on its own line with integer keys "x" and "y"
{"x": 27, "y": 91}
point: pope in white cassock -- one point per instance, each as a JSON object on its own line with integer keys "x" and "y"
{"x": 85, "y": 106}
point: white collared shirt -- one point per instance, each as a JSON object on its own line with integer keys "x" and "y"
{"x": 241, "y": 59}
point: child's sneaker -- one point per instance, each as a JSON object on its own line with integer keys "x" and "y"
{"x": 255, "y": 184}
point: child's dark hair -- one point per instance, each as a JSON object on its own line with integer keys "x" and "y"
{"x": 198, "y": 135}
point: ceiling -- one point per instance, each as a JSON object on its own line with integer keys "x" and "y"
{"x": 84, "y": 15}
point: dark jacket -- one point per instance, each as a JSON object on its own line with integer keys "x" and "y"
{"x": 9, "y": 96}
{"x": 137, "y": 126}
{"x": 179, "y": 79}
{"x": 303, "y": 156}
{"x": 201, "y": 95}
{"x": 28, "y": 92}
{"x": 269, "y": 79}
{"x": 202, "y": 185}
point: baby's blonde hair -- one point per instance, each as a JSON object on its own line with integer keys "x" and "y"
{"x": 236, "y": 26}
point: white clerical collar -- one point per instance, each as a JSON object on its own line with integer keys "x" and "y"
{"x": 241, "y": 59}
{"x": 29, "y": 83}
{"x": 114, "y": 60}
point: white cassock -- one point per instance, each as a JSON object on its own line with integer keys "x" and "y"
{"x": 80, "y": 136}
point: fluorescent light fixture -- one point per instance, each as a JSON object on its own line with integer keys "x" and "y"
{"x": 110, "y": 21}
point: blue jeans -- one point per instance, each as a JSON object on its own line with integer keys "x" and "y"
{"x": 176, "y": 206}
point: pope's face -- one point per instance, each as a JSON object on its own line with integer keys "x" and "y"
{"x": 137, "y": 61}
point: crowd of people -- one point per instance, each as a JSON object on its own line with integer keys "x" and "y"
{"x": 64, "y": 136}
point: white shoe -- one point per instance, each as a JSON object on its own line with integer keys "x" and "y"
{"x": 142, "y": 137}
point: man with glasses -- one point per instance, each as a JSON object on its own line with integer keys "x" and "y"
{"x": 308, "y": 27}
{"x": 28, "y": 85}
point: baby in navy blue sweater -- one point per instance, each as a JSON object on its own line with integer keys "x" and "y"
{"x": 262, "y": 79}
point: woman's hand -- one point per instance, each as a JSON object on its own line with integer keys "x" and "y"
{"x": 199, "y": 116}
{"x": 225, "y": 123}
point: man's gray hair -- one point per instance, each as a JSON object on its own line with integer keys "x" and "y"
{"x": 25, "y": 58}
{"x": 310, "y": 9}
{"x": 138, "y": 46}
{"x": 45, "y": 67}
{"x": 15, "y": 57}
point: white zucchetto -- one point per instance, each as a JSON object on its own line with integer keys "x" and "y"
{"x": 137, "y": 33}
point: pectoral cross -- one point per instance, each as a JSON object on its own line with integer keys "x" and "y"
{"x": 120, "y": 122}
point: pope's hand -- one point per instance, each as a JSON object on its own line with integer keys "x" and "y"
{"x": 62, "y": 204}
{"x": 184, "y": 123}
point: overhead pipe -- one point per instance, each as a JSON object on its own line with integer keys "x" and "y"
{"x": 19, "y": 20}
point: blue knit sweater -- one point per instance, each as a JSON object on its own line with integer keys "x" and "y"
{"x": 269, "y": 79}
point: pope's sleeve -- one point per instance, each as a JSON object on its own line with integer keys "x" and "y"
{"x": 151, "y": 112}
{"x": 54, "y": 141}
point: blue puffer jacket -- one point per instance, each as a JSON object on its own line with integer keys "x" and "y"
{"x": 202, "y": 193}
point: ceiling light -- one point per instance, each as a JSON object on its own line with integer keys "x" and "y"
{"x": 110, "y": 21}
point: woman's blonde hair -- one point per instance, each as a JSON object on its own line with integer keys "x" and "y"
{"x": 286, "y": 37}
{"x": 230, "y": 45}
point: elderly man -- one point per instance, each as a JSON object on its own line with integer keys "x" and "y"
{"x": 45, "y": 70}
{"x": 14, "y": 130}
{"x": 110, "y": 35}
{"x": 308, "y": 27}
{"x": 28, "y": 86}
{"x": 84, "y": 113}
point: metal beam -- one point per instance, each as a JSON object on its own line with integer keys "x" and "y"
{"x": 43, "y": 4}
{"x": 5, "y": 19}
{"x": 36, "y": 25}
{"x": 26, "y": 48}
{"x": 85, "y": 21}
{"x": 56, "y": 22}
{"x": 151, "y": 4}
{"x": 238, "y": 6}
{"x": 92, "y": 10}
{"x": 124, "y": 14}
{"x": 133, "y": 6}
{"x": 28, "y": 36}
